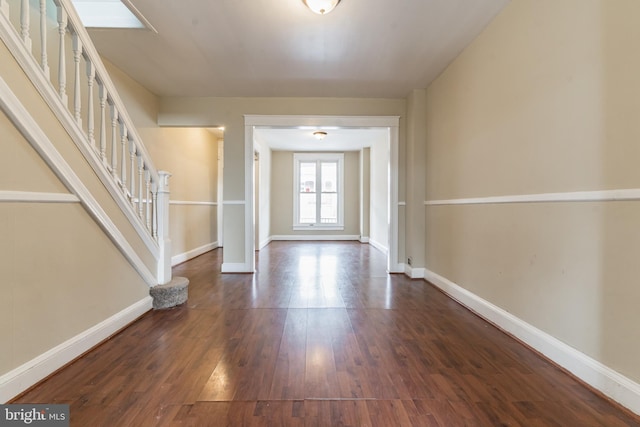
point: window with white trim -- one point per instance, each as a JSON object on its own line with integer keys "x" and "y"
{"x": 318, "y": 191}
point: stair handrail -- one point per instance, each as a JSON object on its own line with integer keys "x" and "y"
{"x": 101, "y": 71}
{"x": 127, "y": 169}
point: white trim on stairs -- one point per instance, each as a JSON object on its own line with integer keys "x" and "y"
{"x": 27, "y": 126}
{"x": 76, "y": 133}
{"x": 611, "y": 383}
{"x": 28, "y": 374}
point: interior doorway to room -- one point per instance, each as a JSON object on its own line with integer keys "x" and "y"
{"x": 256, "y": 199}
{"x": 376, "y": 140}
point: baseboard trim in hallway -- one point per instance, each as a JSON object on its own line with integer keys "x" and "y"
{"x": 27, "y": 375}
{"x": 604, "y": 379}
{"x": 414, "y": 273}
{"x": 186, "y": 256}
{"x": 315, "y": 237}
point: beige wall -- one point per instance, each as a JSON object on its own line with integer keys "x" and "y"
{"x": 545, "y": 100}
{"x": 189, "y": 154}
{"x": 282, "y": 200}
{"x": 61, "y": 274}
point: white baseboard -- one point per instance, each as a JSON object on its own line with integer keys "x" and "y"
{"x": 364, "y": 239}
{"x": 20, "y": 379}
{"x": 186, "y": 256}
{"x": 316, "y": 237}
{"x": 612, "y": 384}
{"x": 236, "y": 267}
{"x": 379, "y": 246}
{"x": 414, "y": 273}
{"x": 264, "y": 243}
{"x": 397, "y": 269}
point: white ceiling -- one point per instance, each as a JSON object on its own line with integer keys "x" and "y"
{"x": 279, "y": 48}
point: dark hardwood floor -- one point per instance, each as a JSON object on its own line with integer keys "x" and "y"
{"x": 319, "y": 336}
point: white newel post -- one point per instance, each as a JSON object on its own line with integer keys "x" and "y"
{"x": 164, "y": 260}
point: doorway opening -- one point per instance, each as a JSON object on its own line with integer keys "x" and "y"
{"x": 259, "y": 131}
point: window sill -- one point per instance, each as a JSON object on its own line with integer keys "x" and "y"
{"x": 318, "y": 228}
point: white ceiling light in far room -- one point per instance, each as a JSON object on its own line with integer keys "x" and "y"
{"x": 321, "y": 7}
{"x": 319, "y": 135}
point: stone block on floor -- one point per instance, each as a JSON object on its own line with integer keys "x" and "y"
{"x": 170, "y": 294}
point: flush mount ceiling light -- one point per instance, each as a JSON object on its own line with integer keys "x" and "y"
{"x": 319, "y": 135}
{"x": 321, "y": 7}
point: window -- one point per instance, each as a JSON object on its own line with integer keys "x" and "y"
{"x": 109, "y": 14}
{"x": 318, "y": 197}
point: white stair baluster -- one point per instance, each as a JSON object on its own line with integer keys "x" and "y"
{"x": 132, "y": 175}
{"x": 143, "y": 196}
{"x": 43, "y": 38}
{"x": 103, "y": 125}
{"x": 154, "y": 209}
{"x": 91, "y": 75}
{"x": 114, "y": 140}
{"x": 140, "y": 181}
{"x": 77, "y": 53}
{"x": 147, "y": 198}
{"x": 62, "y": 67}
{"x": 25, "y": 24}
{"x": 123, "y": 163}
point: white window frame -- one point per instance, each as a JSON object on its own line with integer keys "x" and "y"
{"x": 317, "y": 157}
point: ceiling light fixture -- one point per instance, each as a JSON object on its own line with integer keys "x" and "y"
{"x": 321, "y": 7}
{"x": 319, "y": 135}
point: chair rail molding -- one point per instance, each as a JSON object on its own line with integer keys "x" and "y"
{"x": 627, "y": 194}
{"x": 36, "y": 197}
